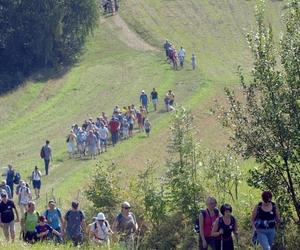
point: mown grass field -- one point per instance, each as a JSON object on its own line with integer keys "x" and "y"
{"x": 109, "y": 73}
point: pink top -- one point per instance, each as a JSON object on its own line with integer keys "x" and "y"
{"x": 208, "y": 223}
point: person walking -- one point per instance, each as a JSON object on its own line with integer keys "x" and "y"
{"x": 144, "y": 100}
{"x": 71, "y": 142}
{"x": 193, "y": 61}
{"x": 103, "y": 133}
{"x": 125, "y": 225}
{"x": 54, "y": 218}
{"x": 265, "y": 215}
{"x": 181, "y": 56}
{"x": 74, "y": 224}
{"x": 154, "y": 98}
{"x": 28, "y": 223}
{"x": 10, "y": 177}
{"x": 167, "y": 46}
{"x": 171, "y": 99}
{"x": 223, "y": 228}
{"x": 91, "y": 144}
{"x": 100, "y": 230}
{"x": 147, "y": 127}
{"x": 7, "y": 215}
{"x": 114, "y": 127}
{"x": 36, "y": 177}
{"x": 25, "y": 196}
{"x": 4, "y": 188}
{"x": 46, "y": 154}
{"x": 207, "y": 217}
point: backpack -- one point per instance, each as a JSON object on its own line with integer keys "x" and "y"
{"x": 42, "y": 153}
{"x": 17, "y": 178}
{"x": 197, "y": 222}
{"x": 57, "y": 211}
{"x": 96, "y": 226}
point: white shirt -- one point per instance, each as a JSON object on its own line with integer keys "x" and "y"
{"x": 103, "y": 132}
{"x": 181, "y": 53}
{"x": 25, "y": 195}
{"x": 101, "y": 232}
{"x": 36, "y": 175}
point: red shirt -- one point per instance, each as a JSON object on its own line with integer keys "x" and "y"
{"x": 114, "y": 126}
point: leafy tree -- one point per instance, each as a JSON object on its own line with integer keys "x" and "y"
{"x": 36, "y": 34}
{"x": 222, "y": 171}
{"x": 104, "y": 190}
{"x": 153, "y": 196}
{"x": 183, "y": 184}
{"x": 266, "y": 121}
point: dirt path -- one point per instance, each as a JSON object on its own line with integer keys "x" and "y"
{"x": 127, "y": 36}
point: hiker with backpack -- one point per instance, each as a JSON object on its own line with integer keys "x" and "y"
{"x": 207, "y": 217}
{"x": 46, "y": 154}
{"x": 265, "y": 216}
{"x": 54, "y": 218}
{"x": 36, "y": 177}
{"x": 25, "y": 196}
{"x": 74, "y": 224}
{"x": 5, "y": 189}
{"x": 91, "y": 144}
{"x": 223, "y": 228}
{"x": 125, "y": 225}
{"x": 99, "y": 230}
{"x": 28, "y": 223}
{"x": 10, "y": 179}
{"x": 7, "y": 211}
{"x": 114, "y": 127}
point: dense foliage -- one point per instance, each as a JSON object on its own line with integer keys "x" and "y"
{"x": 37, "y": 34}
{"x": 266, "y": 123}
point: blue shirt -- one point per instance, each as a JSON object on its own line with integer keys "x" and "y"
{"x": 144, "y": 99}
{"x": 53, "y": 218}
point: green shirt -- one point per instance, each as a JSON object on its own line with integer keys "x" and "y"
{"x": 31, "y": 220}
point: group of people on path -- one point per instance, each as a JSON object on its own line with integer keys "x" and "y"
{"x": 53, "y": 225}
{"x": 216, "y": 227}
{"x": 93, "y": 136}
{"x": 173, "y": 56}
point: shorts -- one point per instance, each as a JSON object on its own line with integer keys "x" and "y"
{"x": 36, "y": 184}
{"x": 171, "y": 102}
{"x": 9, "y": 228}
{"x": 154, "y": 101}
{"x": 30, "y": 236}
{"x": 147, "y": 130}
{"x": 103, "y": 141}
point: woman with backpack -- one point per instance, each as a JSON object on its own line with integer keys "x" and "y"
{"x": 207, "y": 218}
{"x": 224, "y": 227}
{"x": 265, "y": 215}
{"x": 99, "y": 230}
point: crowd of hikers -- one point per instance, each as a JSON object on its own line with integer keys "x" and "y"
{"x": 93, "y": 136}
{"x": 173, "y": 57}
{"x": 215, "y": 227}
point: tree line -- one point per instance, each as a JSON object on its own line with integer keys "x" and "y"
{"x": 38, "y": 34}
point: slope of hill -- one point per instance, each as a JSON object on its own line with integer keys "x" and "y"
{"x": 115, "y": 66}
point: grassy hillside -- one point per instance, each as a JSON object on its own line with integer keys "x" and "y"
{"x": 113, "y": 69}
